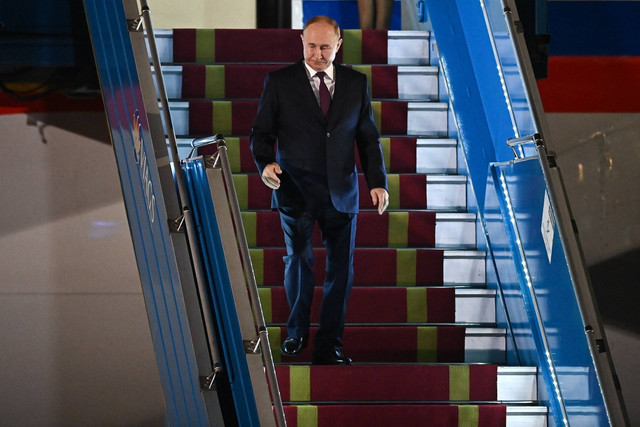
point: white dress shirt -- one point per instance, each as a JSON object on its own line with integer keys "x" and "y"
{"x": 315, "y": 81}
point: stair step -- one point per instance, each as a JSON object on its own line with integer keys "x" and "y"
{"x": 414, "y": 415}
{"x": 475, "y": 305}
{"x": 428, "y": 119}
{"x": 436, "y": 156}
{"x": 382, "y": 415}
{"x": 394, "y": 267}
{"x": 405, "y": 229}
{"x": 485, "y": 345}
{"x": 527, "y": 416}
{"x": 387, "y": 344}
{"x": 208, "y": 117}
{"x": 404, "y": 383}
{"x": 283, "y": 46}
{"x": 408, "y": 47}
{"x": 406, "y": 191}
{"x": 240, "y": 81}
{"x": 401, "y": 154}
{"x": 408, "y": 344}
{"x": 410, "y": 305}
{"x": 464, "y": 267}
{"x": 517, "y": 383}
{"x": 372, "y": 305}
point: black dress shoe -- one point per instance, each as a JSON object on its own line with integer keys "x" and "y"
{"x": 293, "y": 346}
{"x": 332, "y": 357}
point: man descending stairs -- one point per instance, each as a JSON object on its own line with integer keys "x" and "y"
{"x": 421, "y": 327}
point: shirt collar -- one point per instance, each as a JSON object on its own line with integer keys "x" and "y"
{"x": 311, "y": 72}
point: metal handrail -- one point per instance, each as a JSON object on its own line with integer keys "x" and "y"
{"x": 256, "y": 305}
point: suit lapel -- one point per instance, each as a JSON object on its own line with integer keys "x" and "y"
{"x": 340, "y": 90}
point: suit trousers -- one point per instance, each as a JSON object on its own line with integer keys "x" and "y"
{"x": 338, "y": 231}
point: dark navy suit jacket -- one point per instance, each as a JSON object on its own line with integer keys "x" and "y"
{"x": 316, "y": 153}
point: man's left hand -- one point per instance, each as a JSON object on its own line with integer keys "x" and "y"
{"x": 380, "y": 198}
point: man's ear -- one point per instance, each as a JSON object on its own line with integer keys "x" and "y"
{"x": 338, "y": 45}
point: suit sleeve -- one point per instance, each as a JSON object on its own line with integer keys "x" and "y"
{"x": 368, "y": 143}
{"x": 264, "y": 135}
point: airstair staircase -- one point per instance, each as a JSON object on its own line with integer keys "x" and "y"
{"x": 464, "y": 311}
{"x": 421, "y": 325}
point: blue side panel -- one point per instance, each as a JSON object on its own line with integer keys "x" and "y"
{"x": 345, "y": 12}
{"x": 546, "y": 283}
{"x": 226, "y": 317}
{"x": 146, "y": 212}
{"x": 542, "y": 316}
{"x": 594, "y": 28}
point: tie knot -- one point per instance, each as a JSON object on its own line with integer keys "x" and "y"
{"x": 321, "y": 74}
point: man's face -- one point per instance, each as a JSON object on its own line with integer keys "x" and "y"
{"x": 320, "y": 44}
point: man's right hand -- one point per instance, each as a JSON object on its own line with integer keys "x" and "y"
{"x": 270, "y": 176}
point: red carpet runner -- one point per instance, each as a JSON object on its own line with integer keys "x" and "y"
{"x": 409, "y": 354}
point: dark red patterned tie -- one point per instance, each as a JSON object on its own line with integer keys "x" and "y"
{"x": 325, "y": 96}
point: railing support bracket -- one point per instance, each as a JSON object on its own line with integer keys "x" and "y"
{"x": 176, "y": 225}
{"x": 252, "y": 346}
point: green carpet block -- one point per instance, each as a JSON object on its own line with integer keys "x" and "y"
{"x": 214, "y": 81}
{"x": 427, "y": 344}
{"x": 257, "y": 259}
{"x": 300, "y": 383}
{"x": 406, "y": 267}
{"x": 265, "y": 302}
{"x": 459, "y": 382}
{"x": 233, "y": 152}
{"x": 307, "y": 416}
{"x": 222, "y": 117}
{"x": 393, "y": 181}
{"x": 249, "y": 221}
{"x": 205, "y": 45}
{"x": 241, "y": 182}
{"x": 275, "y": 340}
{"x": 417, "y": 305}
{"x": 352, "y": 46}
{"x": 398, "y": 229}
{"x": 468, "y": 416}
